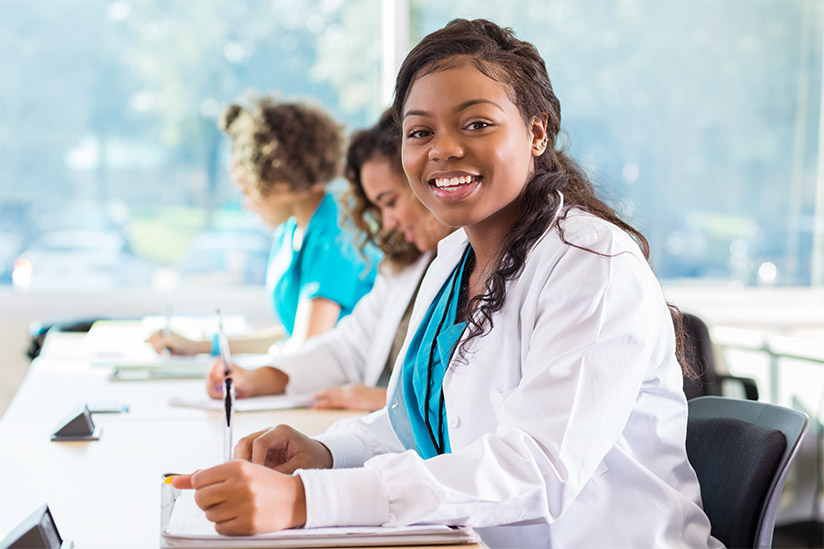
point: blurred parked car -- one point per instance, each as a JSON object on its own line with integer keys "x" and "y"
{"x": 228, "y": 257}
{"x": 16, "y": 230}
{"x": 79, "y": 260}
{"x": 11, "y": 244}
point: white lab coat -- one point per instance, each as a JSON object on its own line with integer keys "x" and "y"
{"x": 356, "y": 350}
{"x": 567, "y": 424}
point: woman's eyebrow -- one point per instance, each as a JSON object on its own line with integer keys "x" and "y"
{"x": 415, "y": 113}
{"x": 479, "y": 101}
{"x": 465, "y": 105}
{"x": 381, "y": 195}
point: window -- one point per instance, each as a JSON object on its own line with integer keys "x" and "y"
{"x": 112, "y": 169}
{"x": 699, "y": 121}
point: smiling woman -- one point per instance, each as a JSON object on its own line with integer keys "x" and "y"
{"x": 538, "y": 394}
{"x": 469, "y": 158}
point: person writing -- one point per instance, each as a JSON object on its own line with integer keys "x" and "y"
{"x": 538, "y": 396}
{"x": 284, "y": 155}
{"x": 349, "y": 366}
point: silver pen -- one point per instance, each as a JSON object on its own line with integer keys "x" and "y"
{"x": 229, "y": 409}
{"x": 228, "y": 388}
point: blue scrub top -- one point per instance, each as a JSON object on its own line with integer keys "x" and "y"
{"x": 325, "y": 264}
{"x": 435, "y": 339}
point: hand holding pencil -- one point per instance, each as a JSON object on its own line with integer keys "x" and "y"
{"x": 243, "y": 498}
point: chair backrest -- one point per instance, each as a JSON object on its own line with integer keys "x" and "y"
{"x": 698, "y": 351}
{"x": 741, "y": 450}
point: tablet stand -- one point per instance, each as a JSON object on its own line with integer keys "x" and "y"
{"x": 37, "y": 531}
{"x": 78, "y": 426}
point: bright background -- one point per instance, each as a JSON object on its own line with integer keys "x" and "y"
{"x": 699, "y": 120}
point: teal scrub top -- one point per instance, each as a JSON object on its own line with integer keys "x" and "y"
{"x": 325, "y": 264}
{"x": 424, "y": 367}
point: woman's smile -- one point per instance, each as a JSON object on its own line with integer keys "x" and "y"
{"x": 451, "y": 187}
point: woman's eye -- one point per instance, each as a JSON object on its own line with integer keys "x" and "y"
{"x": 391, "y": 203}
{"x": 417, "y": 134}
{"x": 478, "y": 125}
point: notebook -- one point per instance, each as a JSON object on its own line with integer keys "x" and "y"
{"x": 187, "y": 526}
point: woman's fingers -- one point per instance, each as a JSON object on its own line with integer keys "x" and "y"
{"x": 244, "y": 498}
{"x": 354, "y": 396}
{"x": 243, "y": 449}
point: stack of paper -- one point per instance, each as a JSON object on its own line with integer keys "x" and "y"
{"x": 189, "y": 527}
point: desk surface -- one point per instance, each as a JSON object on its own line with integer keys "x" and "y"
{"x": 106, "y": 493}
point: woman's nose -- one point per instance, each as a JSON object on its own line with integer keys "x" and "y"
{"x": 389, "y": 221}
{"x": 445, "y": 145}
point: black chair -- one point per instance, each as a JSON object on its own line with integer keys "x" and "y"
{"x": 741, "y": 451}
{"x": 699, "y": 353}
{"x": 38, "y": 332}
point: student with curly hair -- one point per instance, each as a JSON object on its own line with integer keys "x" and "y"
{"x": 351, "y": 364}
{"x": 284, "y": 155}
{"x": 538, "y": 396}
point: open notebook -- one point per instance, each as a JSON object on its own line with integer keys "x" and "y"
{"x": 187, "y": 526}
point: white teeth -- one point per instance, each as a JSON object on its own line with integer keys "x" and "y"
{"x": 442, "y": 183}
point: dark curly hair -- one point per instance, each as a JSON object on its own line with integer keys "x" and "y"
{"x": 496, "y": 53}
{"x": 379, "y": 141}
{"x": 274, "y": 142}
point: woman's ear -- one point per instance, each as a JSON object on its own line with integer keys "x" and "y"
{"x": 317, "y": 188}
{"x": 537, "y": 129}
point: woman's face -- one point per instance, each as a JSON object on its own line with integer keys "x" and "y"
{"x": 467, "y": 151}
{"x": 401, "y": 211}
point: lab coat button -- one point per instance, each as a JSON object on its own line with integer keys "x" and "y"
{"x": 455, "y": 422}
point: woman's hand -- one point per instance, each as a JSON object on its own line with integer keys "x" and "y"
{"x": 259, "y": 381}
{"x": 241, "y": 379}
{"x": 354, "y": 396}
{"x": 242, "y": 498}
{"x": 177, "y": 344}
{"x": 283, "y": 449}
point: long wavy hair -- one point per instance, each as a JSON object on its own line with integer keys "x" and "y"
{"x": 496, "y": 53}
{"x": 378, "y": 142}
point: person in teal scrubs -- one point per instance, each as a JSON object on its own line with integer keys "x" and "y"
{"x": 322, "y": 265}
{"x": 284, "y": 155}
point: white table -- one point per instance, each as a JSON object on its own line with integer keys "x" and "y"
{"x": 106, "y": 493}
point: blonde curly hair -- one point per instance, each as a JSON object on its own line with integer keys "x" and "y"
{"x": 275, "y": 143}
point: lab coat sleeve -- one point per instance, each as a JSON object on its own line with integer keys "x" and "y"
{"x": 338, "y": 356}
{"x": 353, "y": 441}
{"x": 592, "y": 337}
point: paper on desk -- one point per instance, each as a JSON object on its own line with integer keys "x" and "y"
{"x": 154, "y": 360}
{"x": 253, "y": 404}
{"x": 188, "y": 526}
{"x": 122, "y": 342}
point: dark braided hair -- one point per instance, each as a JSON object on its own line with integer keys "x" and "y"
{"x": 496, "y": 53}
